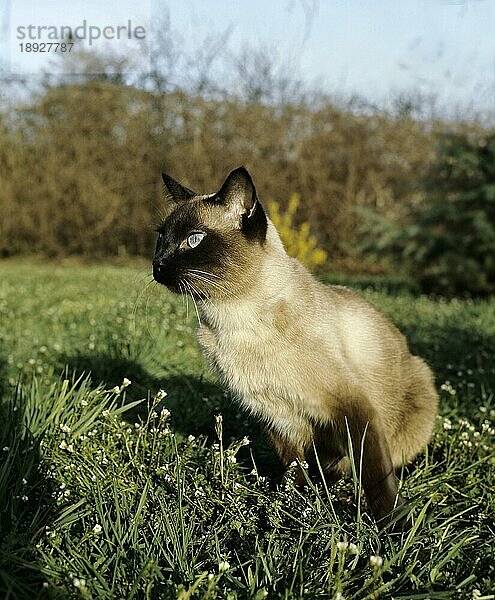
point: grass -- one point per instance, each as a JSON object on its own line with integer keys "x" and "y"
{"x": 115, "y": 490}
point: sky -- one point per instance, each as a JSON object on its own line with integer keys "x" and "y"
{"x": 373, "y": 48}
{"x": 369, "y": 47}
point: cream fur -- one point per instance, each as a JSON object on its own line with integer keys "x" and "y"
{"x": 294, "y": 351}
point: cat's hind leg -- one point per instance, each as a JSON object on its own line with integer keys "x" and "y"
{"x": 289, "y": 451}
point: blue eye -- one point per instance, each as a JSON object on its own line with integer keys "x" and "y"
{"x": 159, "y": 241}
{"x": 195, "y": 239}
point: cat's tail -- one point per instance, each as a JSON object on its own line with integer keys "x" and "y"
{"x": 420, "y": 410}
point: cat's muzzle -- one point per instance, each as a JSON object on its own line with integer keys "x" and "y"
{"x": 164, "y": 275}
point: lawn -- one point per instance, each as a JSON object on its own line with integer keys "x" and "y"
{"x": 127, "y": 472}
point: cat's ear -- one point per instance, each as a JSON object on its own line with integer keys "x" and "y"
{"x": 177, "y": 191}
{"x": 238, "y": 193}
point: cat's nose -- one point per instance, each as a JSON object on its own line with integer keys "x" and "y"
{"x": 157, "y": 270}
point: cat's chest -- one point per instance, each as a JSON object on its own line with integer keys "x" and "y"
{"x": 246, "y": 358}
{"x": 263, "y": 369}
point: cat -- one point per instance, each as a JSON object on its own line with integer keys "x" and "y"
{"x": 323, "y": 369}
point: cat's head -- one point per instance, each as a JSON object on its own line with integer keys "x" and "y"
{"x": 208, "y": 245}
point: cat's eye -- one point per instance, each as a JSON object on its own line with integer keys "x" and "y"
{"x": 159, "y": 241}
{"x": 194, "y": 239}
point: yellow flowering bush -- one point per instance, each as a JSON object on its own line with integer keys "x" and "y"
{"x": 297, "y": 240}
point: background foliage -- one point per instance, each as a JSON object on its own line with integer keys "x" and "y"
{"x": 80, "y": 158}
{"x": 81, "y": 163}
{"x": 449, "y": 237}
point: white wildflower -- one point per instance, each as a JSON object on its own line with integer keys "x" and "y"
{"x": 79, "y": 583}
{"x": 126, "y": 382}
{"x": 97, "y": 529}
{"x": 376, "y": 561}
{"x": 353, "y": 549}
{"x": 223, "y": 566}
{"x": 447, "y": 387}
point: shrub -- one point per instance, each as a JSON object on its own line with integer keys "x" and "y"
{"x": 297, "y": 240}
{"x": 80, "y": 161}
{"x": 455, "y": 244}
{"x": 448, "y": 241}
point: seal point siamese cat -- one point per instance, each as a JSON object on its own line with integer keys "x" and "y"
{"x": 322, "y": 368}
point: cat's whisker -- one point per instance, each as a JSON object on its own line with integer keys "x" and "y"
{"x": 141, "y": 276}
{"x": 205, "y": 276}
{"x": 205, "y": 299}
{"x": 215, "y": 284}
{"x": 204, "y": 273}
{"x": 185, "y": 300}
{"x": 139, "y": 280}
{"x": 192, "y": 291}
{"x": 141, "y": 293}
{"x": 204, "y": 296}
{"x": 207, "y": 280}
{"x": 146, "y": 320}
